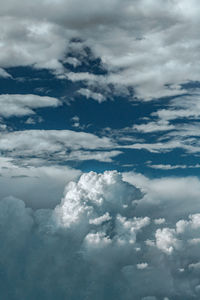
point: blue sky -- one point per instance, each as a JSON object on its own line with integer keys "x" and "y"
{"x": 124, "y": 119}
{"x": 99, "y": 149}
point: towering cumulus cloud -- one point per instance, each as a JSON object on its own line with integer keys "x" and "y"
{"x": 94, "y": 246}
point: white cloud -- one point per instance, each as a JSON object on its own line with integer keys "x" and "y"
{"x": 103, "y": 156}
{"x": 158, "y": 147}
{"x": 192, "y": 224}
{"x": 142, "y": 266}
{"x": 178, "y": 196}
{"x": 159, "y": 221}
{"x": 168, "y": 144}
{"x": 57, "y": 145}
{"x": 52, "y": 250}
{"x": 173, "y": 167}
{"x": 23, "y": 105}
{"x": 89, "y": 94}
{"x": 183, "y": 134}
{"x": 127, "y": 229}
{"x": 32, "y": 121}
{"x": 34, "y": 159}
{"x": 99, "y": 192}
{"x": 75, "y": 121}
{"x": 187, "y": 107}
{"x": 4, "y": 74}
{"x": 166, "y": 240}
{"x": 101, "y": 219}
{"x": 154, "y": 127}
{"x": 96, "y": 241}
{"x": 148, "y": 56}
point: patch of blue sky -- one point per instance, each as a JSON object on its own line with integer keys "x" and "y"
{"x": 114, "y": 117}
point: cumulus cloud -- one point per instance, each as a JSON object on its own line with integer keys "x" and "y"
{"x": 94, "y": 245}
{"x": 66, "y": 235}
{"x": 166, "y": 240}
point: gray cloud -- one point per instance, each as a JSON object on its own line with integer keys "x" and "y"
{"x": 30, "y": 179}
{"x": 170, "y": 197}
{"x": 96, "y": 244}
{"x": 156, "y": 39}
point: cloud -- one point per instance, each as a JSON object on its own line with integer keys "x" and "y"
{"x": 159, "y": 221}
{"x": 32, "y": 159}
{"x": 156, "y": 39}
{"x": 154, "y": 127}
{"x": 94, "y": 244}
{"x": 180, "y": 122}
{"x": 185, "y": 107}
{"x": 89, "y": 94}
{"x": 166, "y": 240}
{"x": 159, "y": 147}
{"x": 167, "y": 197}
{"x": 57, "y": 145}
{"x": 33, "y": 121}
{"x": 75, "y": 121}
{"x": 4, "y": 74}
{"x": 24, "y": 105}
{"x": 30, "y": 180}
{"x": 142, "y": 266}
{"x": 173, "y": 167}
{"x": 169, "y": 142}
{"x": 66, "y": 233}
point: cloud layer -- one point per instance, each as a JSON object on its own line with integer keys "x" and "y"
{"x": 152, "y": 55}
{"x": 95, "y": 244}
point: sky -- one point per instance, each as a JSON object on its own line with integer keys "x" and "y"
{"x": 99, "y": 150}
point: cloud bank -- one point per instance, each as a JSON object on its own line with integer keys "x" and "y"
{"x": 152, "y": 55}
{"x": 95, "y": 244}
